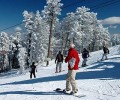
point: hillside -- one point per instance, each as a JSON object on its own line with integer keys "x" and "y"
{"x": 97, "y": 81}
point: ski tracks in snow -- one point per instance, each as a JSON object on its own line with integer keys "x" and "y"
{"x": 102, "y": 90}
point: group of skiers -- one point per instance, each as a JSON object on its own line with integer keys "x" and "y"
{"x": 85, "y": 54}
{"x": 73, "y": 61}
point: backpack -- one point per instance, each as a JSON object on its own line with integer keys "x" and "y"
{"x": 59, "y": 57}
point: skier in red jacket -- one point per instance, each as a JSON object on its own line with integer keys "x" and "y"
{"x": 73, "y": 61}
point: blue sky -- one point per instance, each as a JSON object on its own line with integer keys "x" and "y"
{"x": 11, "y": 11}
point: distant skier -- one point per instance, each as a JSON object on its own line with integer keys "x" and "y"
{"x": 106, "y": 52}
{"x": 32, "y": 70}
{"x": 73, "y": 61}
{"x": 85, "y": 55}
{"x": 59, "y": 61}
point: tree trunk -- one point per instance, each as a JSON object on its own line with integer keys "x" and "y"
{"x": 29, "y": 45}
{"x": 62, "y": 45}
{"x": 50, "y": 38}
{"x": 66, "y": 42}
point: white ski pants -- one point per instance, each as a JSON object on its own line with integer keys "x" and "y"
{"x": 70, "y": 80}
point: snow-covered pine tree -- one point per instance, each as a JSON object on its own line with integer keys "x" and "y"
{"x": 103, "y": 37}
{"x": 11, "y": 51}
{"x": 4, "y": 49}
{"x": 50, "y": 13}
{"x": 40, "y": 38}
{"x": 115, "y": 39}
{"x": 14, "y": 51}
{"x": 18, "y": 34}
{"x": 85, "y": 29}
{"x": 21, "y": 56}
{"x": 86, "y": 20}
{"x": 67, "y": 30}
{"x": 29, "y": 25}
{"x": 58, "y": 39}
{"x": 80, "y": 27}
{"x": 22, "y": 59}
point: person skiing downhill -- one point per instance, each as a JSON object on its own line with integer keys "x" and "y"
{"x": 105, "y": 53}
{"x": 73, "y": 60}
{"x": 59, "y": 60}
{"x": 32, "y": 70}
{"x": 85, "y": 55}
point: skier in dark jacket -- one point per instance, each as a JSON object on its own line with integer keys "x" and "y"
{"x": 105, "y": 53}
{"x": 33, "y": 67}
{"x": 59, "y": 61}
{"x": 85, "y": 55}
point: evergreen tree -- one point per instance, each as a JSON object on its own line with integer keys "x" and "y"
{"x": 29, "y": 25}
{"x": 4, "y": 45}
{"x": 50, "y": 12}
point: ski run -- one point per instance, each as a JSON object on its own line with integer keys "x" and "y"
{"x": 97, "y": 81}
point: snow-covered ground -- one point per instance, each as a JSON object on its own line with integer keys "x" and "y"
{"x": 98, "y": 81}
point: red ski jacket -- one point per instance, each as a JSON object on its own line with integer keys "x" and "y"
{"x": 72, "y": 53}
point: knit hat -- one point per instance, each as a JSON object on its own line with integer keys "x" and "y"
{"x": 72, "y": 45}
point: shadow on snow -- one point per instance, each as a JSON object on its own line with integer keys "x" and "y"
{"x": 105, "y": 73}
{"x": 30, "y": 93}
{"x": 36, "y": 93}
{"x": 103, "y": 70}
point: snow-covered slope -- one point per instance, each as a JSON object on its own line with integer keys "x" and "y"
{"x": 98, "y": 81}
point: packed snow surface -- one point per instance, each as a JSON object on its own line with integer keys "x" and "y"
{"x": 100, "y": 80}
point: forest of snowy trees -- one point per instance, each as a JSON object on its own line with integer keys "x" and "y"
{"x": 46, "y": 34}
